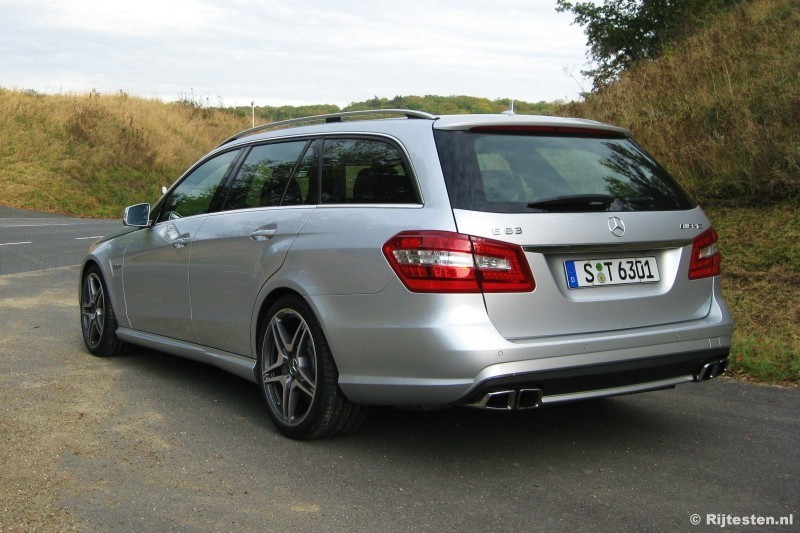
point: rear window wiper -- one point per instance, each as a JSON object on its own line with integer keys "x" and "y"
{"x": 576, "y": 202}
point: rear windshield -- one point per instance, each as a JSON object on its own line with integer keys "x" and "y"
{"x": 513, "y": 172}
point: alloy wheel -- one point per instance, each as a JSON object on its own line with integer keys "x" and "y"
{"x": 93, "y": 308}
{"x": 289, "y": 367}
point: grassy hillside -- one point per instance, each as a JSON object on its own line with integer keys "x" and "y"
{"x": 761, "y": 281}
{"x": 721, "y": 110}
{"x": 91, "y": 155}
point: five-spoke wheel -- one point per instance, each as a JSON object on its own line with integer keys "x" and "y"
{"x": 290, "y": 357}
{"x": 98, "y": 322}
{"x": 93, "y": 308}
{"x": 298, "y": 376}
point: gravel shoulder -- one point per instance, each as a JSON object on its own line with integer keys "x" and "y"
{"x": 52, "y": 400}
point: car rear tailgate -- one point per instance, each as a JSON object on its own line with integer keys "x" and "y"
{"x": 551, "y": 239}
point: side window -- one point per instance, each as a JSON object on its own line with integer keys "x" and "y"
{"x": 264, "y": 176}
{"x": 194, "y": 194}
{"x": 304, "y": 184}
{"x": 365, "y": 171}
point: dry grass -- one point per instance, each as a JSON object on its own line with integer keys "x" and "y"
{"x": 92, "y": 154}
{"x": 761, "y": 281}
{"x": 721, "y": 109}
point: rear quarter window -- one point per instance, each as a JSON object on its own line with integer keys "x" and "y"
{"x": 365, "y": 171}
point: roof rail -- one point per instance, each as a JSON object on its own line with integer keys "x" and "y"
{"x": 331, "y": 117}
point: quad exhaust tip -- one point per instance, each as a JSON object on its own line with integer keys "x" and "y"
{"x": 509, "y": 400}
{"x": 711, "y": 370}
{"x": 531, "y": 398}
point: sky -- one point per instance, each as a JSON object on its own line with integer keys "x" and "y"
{"x": 233, "y": 52}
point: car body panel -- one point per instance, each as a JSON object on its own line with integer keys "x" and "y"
{"x": 339, "y": 250}
{"x": 156, "y": 278}
{"x": 107, "y": 254}
{"x": 239, "y": 365}
{"x": 233, "y": 254}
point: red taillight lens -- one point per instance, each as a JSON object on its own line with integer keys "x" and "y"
{"x": 441, "y": 261}
{"x": 706, "y": 259}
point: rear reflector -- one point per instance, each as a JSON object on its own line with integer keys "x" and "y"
{"x": 706, "y": 259}
{"x": 441, "y": 261}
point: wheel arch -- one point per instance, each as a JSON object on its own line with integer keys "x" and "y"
{"x": 113, "y": 285}
{"x": 263, "y": 304}
{"x": 88, "y": 264}
{"x": 106, "y": 313}
{"x": 85, "y": 267}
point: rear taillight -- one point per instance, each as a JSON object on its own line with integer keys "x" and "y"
{"x": 706, "y": 259}
{"x": 441, "y": 261}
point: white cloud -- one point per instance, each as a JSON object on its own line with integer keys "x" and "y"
{"x": 289, "y": 52}
{"x": 148, "y": 18}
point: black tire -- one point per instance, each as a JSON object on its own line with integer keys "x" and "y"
{"x": 98, "y": 321}
{"x": 298, "y": 376}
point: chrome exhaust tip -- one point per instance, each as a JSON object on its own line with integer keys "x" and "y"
{"x": 498, "y": 400}
{"x": 509, "y": 400}
{"x": 711, "y": 370}
{"x": 529, "y": 399}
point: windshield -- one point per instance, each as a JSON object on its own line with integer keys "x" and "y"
{"x": 520, "y": 172}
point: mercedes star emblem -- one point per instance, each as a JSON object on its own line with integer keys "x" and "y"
{"x": 616, "y": 226}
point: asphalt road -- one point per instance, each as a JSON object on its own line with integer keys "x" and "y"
{"x": 148, "y": 441}
{"x": 34, "y": 241}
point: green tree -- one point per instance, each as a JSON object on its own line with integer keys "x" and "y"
{"x": 620, "y": 33}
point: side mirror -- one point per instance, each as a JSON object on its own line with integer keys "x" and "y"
{"x": 137, "y": 216}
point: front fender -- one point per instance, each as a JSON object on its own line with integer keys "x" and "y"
{"x": 108, "y": 255}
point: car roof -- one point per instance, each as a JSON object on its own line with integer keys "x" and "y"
{"x": 379, "y": 123}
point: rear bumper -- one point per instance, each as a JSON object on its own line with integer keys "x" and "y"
{"x": 440, "y": 350}
{"x": 596, "y": 381}
{"x": 560, "y": 379}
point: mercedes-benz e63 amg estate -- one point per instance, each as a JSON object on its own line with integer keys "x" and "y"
{"x": 497, "y": 261}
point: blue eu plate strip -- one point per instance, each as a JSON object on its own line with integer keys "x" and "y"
{"x": 572, "y": 276}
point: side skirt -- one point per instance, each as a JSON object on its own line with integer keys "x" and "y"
{"x": 241, "y": 366}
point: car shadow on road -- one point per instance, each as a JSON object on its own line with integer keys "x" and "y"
{"x": 632, "y": 421}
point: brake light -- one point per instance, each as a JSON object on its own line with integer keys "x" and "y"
{"x": 551, "y": 130}
{"x": 442, "y": 261}
{"x": 706, "y": 259}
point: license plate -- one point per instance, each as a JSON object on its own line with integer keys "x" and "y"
{"x": 620, "y": 271}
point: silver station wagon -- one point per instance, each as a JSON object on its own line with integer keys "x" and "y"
{"x": 399, "y": 258}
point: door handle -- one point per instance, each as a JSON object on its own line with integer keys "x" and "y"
{"x": 263, "y": 234}
{"x": 180, "y": 241}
